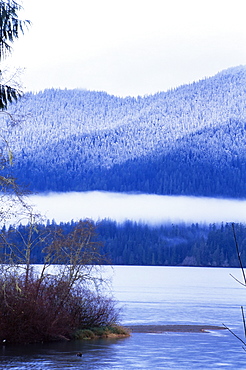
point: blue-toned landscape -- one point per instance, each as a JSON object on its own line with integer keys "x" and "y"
{"x": 123, "y": 197}
{"x": 186, "y": 141}
{"x": 155, "y": 296}
{"x": 89, "y": 154}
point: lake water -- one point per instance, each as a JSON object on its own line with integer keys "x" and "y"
{"x": 155, "y": 295}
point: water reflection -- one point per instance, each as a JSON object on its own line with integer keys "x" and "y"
{"x": 141, "y": 351}
{"x": 62, "y": 355}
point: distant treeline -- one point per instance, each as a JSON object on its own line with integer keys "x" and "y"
{"x": 132, "y": 243}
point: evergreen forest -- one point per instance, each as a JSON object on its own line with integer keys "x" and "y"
{"x": 132, "y": 243}
{"x": 187, "y": 141}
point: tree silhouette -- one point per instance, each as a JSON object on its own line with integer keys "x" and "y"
{"x": 10, "y": 29}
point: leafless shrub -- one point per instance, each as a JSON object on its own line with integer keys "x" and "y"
{"x": 40, "y": 306}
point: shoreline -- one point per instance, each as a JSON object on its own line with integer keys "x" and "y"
{"x": 174, "y": 328}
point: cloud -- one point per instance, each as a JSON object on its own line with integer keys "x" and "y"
{"x": 147, "y": 208}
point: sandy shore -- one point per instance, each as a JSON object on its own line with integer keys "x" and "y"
{"x": 174, "y": 328}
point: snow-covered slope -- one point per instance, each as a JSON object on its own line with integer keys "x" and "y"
{"x": 82, "y": 140}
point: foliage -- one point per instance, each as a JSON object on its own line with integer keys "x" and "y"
{"x": 49, "y": 309}
{"x": 52, "y": 302}
{"x": 10, "y": 29}
{"x": 10, "y": 25}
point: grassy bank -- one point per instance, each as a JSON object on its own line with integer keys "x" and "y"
{"x": 115, "y": 331}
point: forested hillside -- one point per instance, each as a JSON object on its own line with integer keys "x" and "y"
{"x": 137, "y": 244}
{"x": 189, "y": 141}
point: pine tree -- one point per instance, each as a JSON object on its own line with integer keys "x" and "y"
{"x": 10, "y": 29}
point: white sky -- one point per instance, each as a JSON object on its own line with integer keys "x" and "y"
{"x": 128, "y": 47}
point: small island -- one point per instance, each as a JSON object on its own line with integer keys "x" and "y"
{"x": 174, "y": 328}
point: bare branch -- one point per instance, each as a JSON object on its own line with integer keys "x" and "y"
{"x": 238, "y": 281}
{"x": 238, "y": 253}
{"x": 244, "y": 325}
{"x": 236, "y": 336}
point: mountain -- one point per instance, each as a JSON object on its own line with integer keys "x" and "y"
{"x": 189, "y": 140}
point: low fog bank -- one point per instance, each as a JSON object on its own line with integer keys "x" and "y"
{"x": 146, "y": 208}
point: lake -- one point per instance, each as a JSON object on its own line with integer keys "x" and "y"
{"x": 155, "y": 295}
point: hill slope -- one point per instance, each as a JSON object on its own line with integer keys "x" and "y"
{"x": 190, "y": 140}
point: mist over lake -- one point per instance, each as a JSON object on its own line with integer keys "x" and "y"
{"x": 147, "y": 208}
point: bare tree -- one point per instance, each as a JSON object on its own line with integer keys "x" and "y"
{"x": 64, "y": 294}
{"x": 243, "y": 341}
{"x": 38, "y": 304}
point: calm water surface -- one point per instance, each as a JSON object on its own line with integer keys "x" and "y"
{"x": 155, "y": 295}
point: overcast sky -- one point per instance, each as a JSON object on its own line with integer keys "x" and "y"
{"x": 128, "y": 47}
